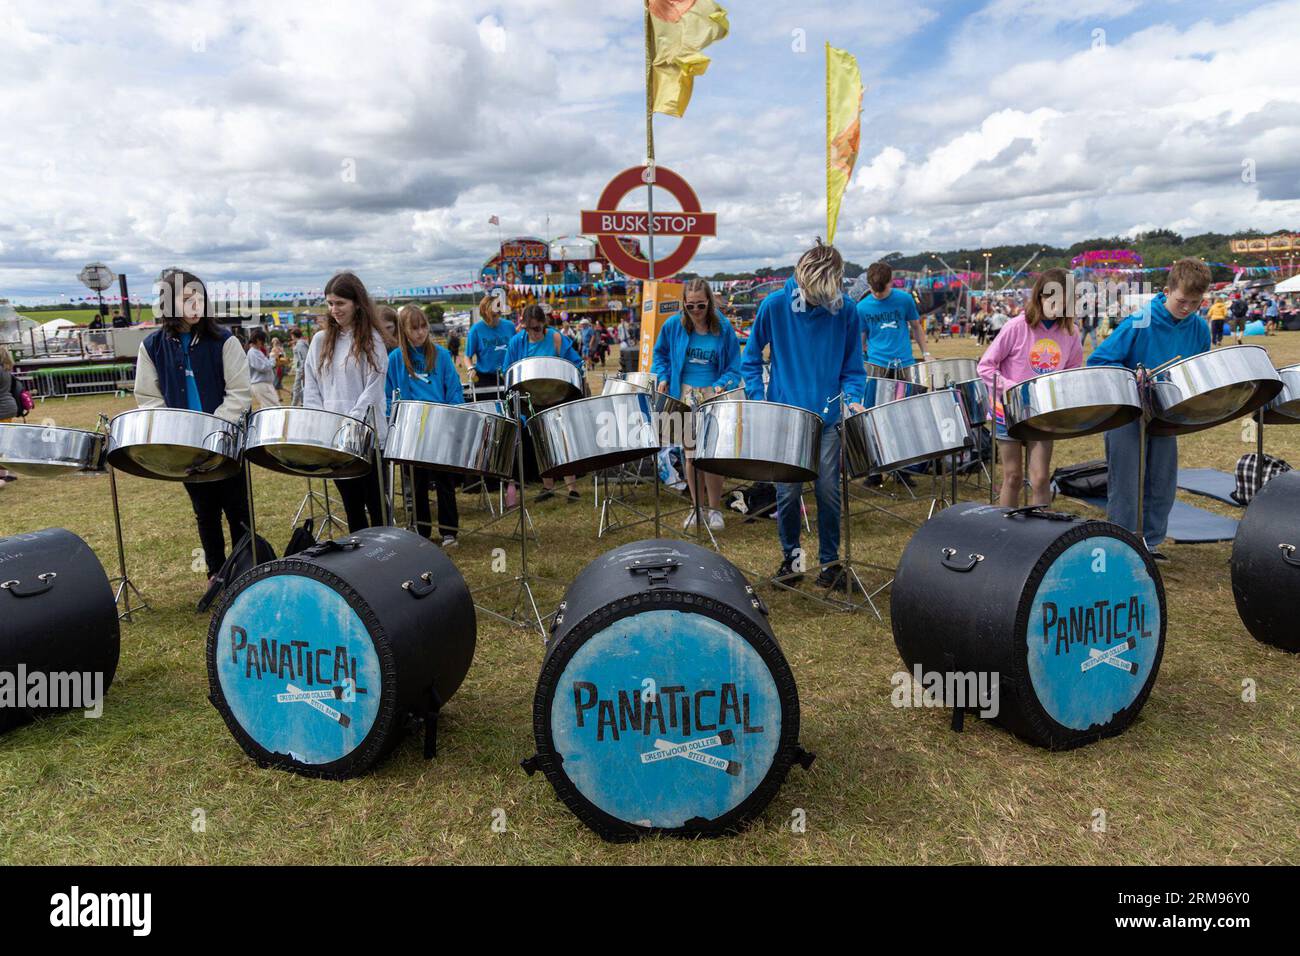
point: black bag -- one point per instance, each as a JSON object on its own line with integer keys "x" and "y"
{"x": 240, "y": 560}
{"x": 1086, "y": 480}
{"x": 1251, "y": 469}
{"x": 303, "y": 537}
{"x": 755, "y": 501}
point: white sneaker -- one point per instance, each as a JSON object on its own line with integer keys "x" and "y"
{"x": 449, "y": 542}
{"x": 689, "y": 523}
{"x": 715, "y": 520}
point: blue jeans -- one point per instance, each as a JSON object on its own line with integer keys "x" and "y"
{"x": 1161, "y": 484}
{"x": 828, "y": 503}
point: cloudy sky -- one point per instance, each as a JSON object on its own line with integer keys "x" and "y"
{"x": 280, "y": 141}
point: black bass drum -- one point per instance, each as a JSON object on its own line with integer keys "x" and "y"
{"x": 59, "y": 632}
{"x": 1266, "y": 563}
{"x": 1063, "y": 617}
{"x": 664, "y": 704}
{"x": 316, "y": 661}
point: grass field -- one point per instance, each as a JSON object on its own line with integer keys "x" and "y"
{"x": 1201, "y": 777}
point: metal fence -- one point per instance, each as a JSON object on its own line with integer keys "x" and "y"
{"x": 65, "y": 381}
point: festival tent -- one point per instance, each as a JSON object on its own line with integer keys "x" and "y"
{"x": 1290, "y": 285}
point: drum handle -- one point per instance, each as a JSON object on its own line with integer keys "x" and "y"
{"x": 1288, "y": 555}
{"x": 424, "y": 589}
{"x": 960, "y": 566}
{"x": 46, "y": 579}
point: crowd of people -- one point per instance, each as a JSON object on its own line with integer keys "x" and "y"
{"x": 809, "y": 341}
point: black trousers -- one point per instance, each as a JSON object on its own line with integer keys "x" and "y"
{"x": 448, "y": 511}
{"x": 212, "y": 499}
{"x": 362, "y": 495}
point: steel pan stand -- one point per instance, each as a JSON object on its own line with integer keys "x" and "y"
{"x": 122, "y": 585}
{"x": 521, "y": 614}
{"x": 308, "y": 504}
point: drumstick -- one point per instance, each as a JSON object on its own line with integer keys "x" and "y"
{"x": 1160, "y": 368}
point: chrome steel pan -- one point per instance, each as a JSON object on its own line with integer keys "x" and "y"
{"x": 1285, "y": 409}
{"x": 883, "y": 371}
{"x": 902, "y": 433}
{"x": 1072, "y": 403}
{"x": 494, "y": 406}
{"x": 620, "y": 386}
{"x": 45, "y": 452}
{"x": 879, "y": 391}
{"x": 593, "y": 433}
{"x": 456, "y": 438}
{"x": 174, "y": 444}
{"x": 547, "y": 381}
{"x": 310, "y": 442}
{"x": 758, "y": 441}
{"x": 647, "y": 380}
{"x": 974, "y": 397}
{"x": 941, "y": 373}
{"x": 1211, "y": 388}
{"x": 731, "y": 395}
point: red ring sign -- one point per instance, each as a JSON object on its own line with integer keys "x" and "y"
{"x": 607, "y": 223}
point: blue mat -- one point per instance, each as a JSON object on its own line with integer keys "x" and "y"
{"x": 1209, "y": 482}
{"x": 1189, "y": 524}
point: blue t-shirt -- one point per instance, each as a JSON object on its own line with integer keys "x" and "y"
{"x": 701, "y": 368}
{"x": 191, "y": 386}
{"x": 885, "y": 324}
{"x": 486, "y": 346}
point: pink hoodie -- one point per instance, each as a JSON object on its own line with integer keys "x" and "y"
{"x": 1020, "y": 353}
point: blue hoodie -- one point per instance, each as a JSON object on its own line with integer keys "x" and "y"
{"x": 816, "y": 355}
{"x": 1153, "y": 337}
{"x": 670, "y": 355}
{"x": 443, "y": 386}
{"x": 486, "y": 345}
{"x": 520, "y": 348}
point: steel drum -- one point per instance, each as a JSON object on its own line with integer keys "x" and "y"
{"x": 883, "y": 371}
{"x": 620, "y": 386}
{"x": 1211, "y": 388}
{"x": 456, "y": 438}
{"x": 941, "y": 373}
{"x": 310, "y": 442}
{"x": 547, "y": 381}
{"x": 974, "y": 397}
{"x": 46, "y": 452}
{"x": 1285, "y": 409}
{"x": 758, "y": 441}
{"x": 880, "y": 391}
{"x": 905, "y": 432}
{"x": 730, "y": 395}
{"x": 647, "y": 380}
{"x": 491, "y": 406}
{"x": 593, "y": 433}
{"x": 174, "y": 444}
{"x": 1072, "y": 403}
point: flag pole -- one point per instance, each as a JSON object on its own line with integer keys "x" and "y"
{"x": 650, "y": 139}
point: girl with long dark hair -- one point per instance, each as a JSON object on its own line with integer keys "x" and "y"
{"x": 193, "y": 363}
{"x": 345, "y": 371}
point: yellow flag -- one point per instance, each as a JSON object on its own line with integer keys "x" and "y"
{"x": 843, "y": 129}
{"x": 680, "y": 29}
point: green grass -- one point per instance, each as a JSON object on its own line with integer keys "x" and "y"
{"x": 1201, "y": 777}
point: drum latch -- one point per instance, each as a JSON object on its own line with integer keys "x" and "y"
{"x": 656, "y": 570}
{"x": 951, "y": 562}
{"x": 15, "y": 587}
{"x": 1040, "y": 511}
{"x": 755, "y": 600}
{"x": 422, "y": 587}
{"x": 1288, "y": 555}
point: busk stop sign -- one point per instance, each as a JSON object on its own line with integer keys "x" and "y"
{"x": 607, "y": 223}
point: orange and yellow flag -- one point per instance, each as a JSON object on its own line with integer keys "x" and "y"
{"x": 680, "y": 29}
{"x": 843, "y": 129}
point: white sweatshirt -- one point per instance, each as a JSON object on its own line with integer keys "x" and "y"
{"x": 344, "y": 385}
{"x": 239, "y": 395}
